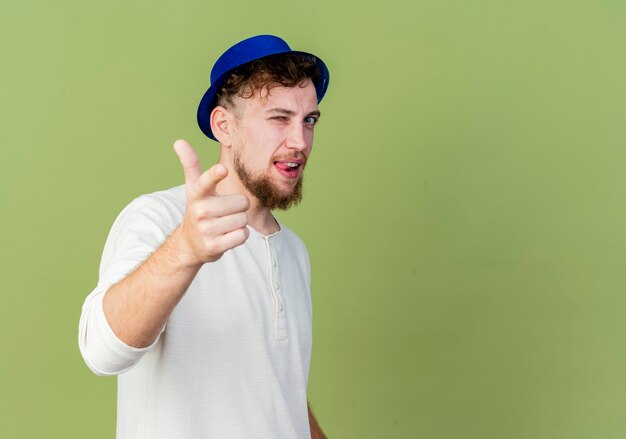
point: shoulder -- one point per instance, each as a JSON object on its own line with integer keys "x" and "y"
{"x": 173, "y": 199}
{"x": 140, "y": 228}
{"x": 168, "y": 205}
{"x": 290, "y": 239}
{"x": 162, "y": 209}
{"x": 294, "y": 247}
{"x": 289, "y": 235}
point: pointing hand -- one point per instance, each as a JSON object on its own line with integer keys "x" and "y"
{"x": 212, "y": 224}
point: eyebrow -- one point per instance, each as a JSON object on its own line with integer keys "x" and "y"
{"x": 291, "y": 112}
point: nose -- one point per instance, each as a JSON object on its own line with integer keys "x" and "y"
{"x": 297, "y": 138}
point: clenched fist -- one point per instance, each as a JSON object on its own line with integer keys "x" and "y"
{"x": 212, "y": 224}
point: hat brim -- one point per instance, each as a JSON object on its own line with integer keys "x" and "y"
{"x": 209, "y": 99}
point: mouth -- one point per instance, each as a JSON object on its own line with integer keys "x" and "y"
{"x": 289, "y": 168}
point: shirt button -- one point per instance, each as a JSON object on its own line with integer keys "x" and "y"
{"x": 278, "y": 286}
{"x": 275, "y": 264}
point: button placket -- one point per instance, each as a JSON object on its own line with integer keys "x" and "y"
{"x": 281, "y": 321}
{"x": 276, "y": 287}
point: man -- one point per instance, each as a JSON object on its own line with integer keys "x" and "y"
{"x": 203, "y": 303}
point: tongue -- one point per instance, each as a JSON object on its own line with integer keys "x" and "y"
{"x": 283, "y": 166}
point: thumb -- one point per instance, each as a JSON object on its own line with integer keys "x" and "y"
{"x": 189, "y": 161}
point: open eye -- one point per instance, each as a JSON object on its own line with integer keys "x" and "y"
{"x": 311, "y": 120}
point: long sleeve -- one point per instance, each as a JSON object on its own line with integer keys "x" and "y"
{"x": 137, "y": 232}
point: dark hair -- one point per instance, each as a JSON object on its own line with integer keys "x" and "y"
{"x": 283, "y": 69}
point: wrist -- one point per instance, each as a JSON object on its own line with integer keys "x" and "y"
{"x": 180, "y": 249}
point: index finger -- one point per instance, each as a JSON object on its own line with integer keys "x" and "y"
{"x": 206, "y": 184}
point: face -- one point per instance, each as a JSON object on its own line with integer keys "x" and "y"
{"x": 272, "y": 139}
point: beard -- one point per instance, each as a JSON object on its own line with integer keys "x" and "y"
{"x": 262, "y": 188}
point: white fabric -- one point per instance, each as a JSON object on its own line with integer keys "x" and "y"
{"x": 233, "y": 359}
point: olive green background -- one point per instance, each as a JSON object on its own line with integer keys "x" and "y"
{"x": 464, "y": 206}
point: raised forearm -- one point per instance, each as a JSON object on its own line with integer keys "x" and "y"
{"x": 139, "y": 305}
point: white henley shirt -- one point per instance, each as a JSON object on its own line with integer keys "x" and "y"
{"x": 233, "y": 359}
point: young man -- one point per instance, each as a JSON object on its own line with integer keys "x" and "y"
{"x": 203, "y": 304}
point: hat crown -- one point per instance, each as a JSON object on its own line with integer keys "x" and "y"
{"x": 248, "y": 50}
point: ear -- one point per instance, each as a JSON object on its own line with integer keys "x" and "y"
{"x": 221, "y": 125}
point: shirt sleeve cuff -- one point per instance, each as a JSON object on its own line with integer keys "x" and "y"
{"x": 104, "y": 352}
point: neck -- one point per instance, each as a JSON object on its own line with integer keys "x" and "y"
{"x": 263, "y": 221}
{"x": 260, "y": 217}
